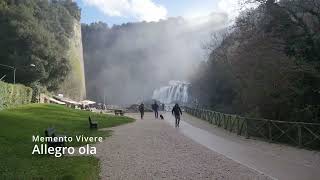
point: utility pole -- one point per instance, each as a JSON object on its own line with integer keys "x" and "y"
{"x": 14, "y": 76}
{"x": 14, "y": 70}
{"x": 104, "y": 97}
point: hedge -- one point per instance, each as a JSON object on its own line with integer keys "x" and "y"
{"x": 12, "y": 95}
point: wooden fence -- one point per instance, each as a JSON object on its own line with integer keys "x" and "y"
{"x": 306, "y": 135}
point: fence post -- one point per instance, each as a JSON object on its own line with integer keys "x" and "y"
{"x": 220, "y": 120}
{"x": 299, "y": 135}
{"x": 203, "y": 114}
{"x": 247, "y": 128}
{"x": 230, "y": 123}
{"x": 270, "y": 131}
{"x": 217, "y": 119}
{"x": 238, "y": 125}
{"x": 225, "y": 121}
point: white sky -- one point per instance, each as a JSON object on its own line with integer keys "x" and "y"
{"x": 152, "y": 10}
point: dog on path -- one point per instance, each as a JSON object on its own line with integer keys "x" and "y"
{"x": 161, "y": 117}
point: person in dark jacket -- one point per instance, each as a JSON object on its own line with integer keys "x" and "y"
{"x": 176, "y": 111}
{"x": 155, "y": 108}
{"x": 141, "y": 109}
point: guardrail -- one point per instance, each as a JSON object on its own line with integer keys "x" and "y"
{"x": 301, "y": 134}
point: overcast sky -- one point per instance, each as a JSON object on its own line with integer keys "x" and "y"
{"x": 123, "y": 11}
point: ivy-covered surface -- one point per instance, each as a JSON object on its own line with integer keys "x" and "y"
{"x": 12, "y": 95}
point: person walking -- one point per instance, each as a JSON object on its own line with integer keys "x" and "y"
{"x": 176, "y": 111}
{"x": 141, "y": 109}
{"x": 155, "y": 108}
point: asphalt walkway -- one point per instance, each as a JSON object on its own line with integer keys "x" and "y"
{"x": 276, "y": 160}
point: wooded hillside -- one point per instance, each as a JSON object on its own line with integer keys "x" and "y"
{"x": 267, "y": 65}
{"x": 37, "y": 33}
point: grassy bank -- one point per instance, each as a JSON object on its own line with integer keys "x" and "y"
{"x": 19, "y": 124}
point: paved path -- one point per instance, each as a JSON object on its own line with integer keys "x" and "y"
{"x": 276, "y": 160}
{"x": 152, "y": 149}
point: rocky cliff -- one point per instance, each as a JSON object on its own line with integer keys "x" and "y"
{"x": 74, "y": 85}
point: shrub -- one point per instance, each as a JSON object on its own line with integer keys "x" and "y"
{"x": 14, "y": 94}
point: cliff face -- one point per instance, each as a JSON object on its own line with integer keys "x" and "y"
{"x": 74, "y": 85}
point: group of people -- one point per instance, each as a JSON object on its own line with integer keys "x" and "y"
{"x": 176, "y": 111}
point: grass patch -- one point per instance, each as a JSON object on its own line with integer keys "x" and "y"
{"x": 17, "y": 126}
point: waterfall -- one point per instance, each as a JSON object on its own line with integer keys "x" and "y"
{"x": 177, "y": 91}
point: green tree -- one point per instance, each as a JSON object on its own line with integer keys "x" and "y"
{"x": 37, "y": 32}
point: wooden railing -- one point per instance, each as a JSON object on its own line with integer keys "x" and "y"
{"x": 306, "y": 135}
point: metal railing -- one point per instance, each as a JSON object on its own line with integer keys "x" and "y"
{"x": 301, "y": 134}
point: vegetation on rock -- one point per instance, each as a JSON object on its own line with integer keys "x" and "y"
{"x": 268, "y": 65}
{"x": 37, "y": 32}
